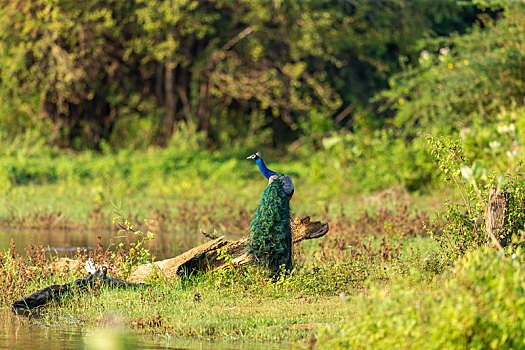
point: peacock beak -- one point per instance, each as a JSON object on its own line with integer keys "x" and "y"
{"x": 253, "y": 156}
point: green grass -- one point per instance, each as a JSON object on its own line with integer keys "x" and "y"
{"x": 219, "y": 315}
{"x": 232, "y": 304}
{"x": 368, "y": 296}
{"x": 224, "y": 306}
{"x": 476, "y": 304}
{"x": 142, "y": 183}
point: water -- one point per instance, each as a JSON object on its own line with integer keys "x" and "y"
{"x": 19, "y": 332}
{"x": 65, "y": 242}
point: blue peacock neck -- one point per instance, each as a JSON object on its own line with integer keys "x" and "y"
{"x": 264, "y": 170}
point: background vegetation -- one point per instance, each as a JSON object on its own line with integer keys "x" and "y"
{"x": 127, "y": 75}
{"x": 344, "y": 86}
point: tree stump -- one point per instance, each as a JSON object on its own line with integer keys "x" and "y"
{"x": 496, "y": 217}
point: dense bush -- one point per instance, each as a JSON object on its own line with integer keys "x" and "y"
{"x": 468, "y": 84}
{"x": 462, "y": 77}
{"x": 464, "y": 228}
{"x": 479, "y": 306}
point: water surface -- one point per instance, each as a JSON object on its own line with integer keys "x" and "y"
{"x": 65, "y": 242}
{"x": 19, "y": 332}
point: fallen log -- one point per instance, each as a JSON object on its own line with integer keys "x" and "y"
{"x": 205, "y": 257}
{"x": 56, "y": 292}
{"x": 202, "y": 258}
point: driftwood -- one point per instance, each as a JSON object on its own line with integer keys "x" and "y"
{"x": 496, "y": 218}
{"x": 205, "y": 256}
{"x": 57, "y": 292}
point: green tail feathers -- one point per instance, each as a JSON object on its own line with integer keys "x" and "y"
{"x": 271, "y": 236}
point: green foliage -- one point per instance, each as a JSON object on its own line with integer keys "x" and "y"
{"x": 74, "y": 184}
{"x": 497, "y": 146}
{"x": 464, "y": 229}
{"x": 477, "y": 306}
{"x": 216, "y": 74}
{"x": 515, "y": 187}
{"x": 468, "y": 84}
{"x": 465, "y": 221}
{"x": 128, "y": 256}
{"x": 461, "y": 78}
{"x": 83, "y": 76}
{"x": 368, "y": 161}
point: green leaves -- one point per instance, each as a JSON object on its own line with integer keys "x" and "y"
{"x": 461, "y": 78}
{"x": 125, "y": 74}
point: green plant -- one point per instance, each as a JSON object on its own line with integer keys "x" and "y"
{"x": 464, "y": 227}
{"x": 226, "y": 275}
{"x": 135, "y": 253}
{"x": 462, "y": 77}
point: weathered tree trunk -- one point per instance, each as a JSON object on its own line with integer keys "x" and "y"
{"x": 201, "y": 258}
{"x": 496, "y": 218}
{"x": 169, "y": 98}
{"x": 204, "y": 257}
{"x": 158, "y": 82}
{"x": 203, "y": 110}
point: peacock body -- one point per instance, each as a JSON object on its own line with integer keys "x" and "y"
{"x": 271, "y": 238}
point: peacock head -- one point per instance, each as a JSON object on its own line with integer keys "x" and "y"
{"x": 260, "y": 163}
{"x": 256, "y": 156}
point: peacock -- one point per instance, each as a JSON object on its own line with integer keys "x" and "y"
{"x": 271, "y": 237}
